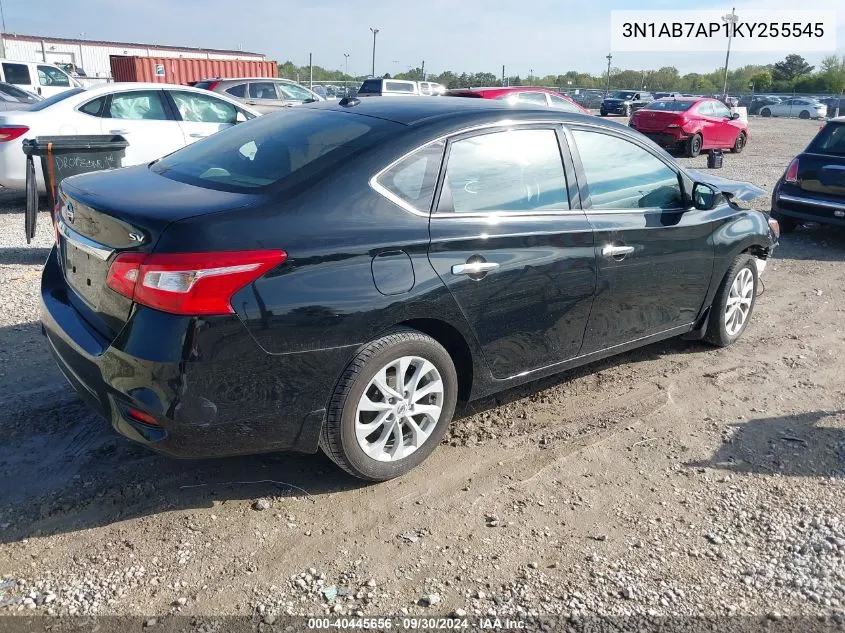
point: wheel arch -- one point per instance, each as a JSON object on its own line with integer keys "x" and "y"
{"x": 455, "y": 344}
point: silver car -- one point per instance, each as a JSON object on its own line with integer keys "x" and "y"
{"x": 264, "y": 94}
{"x": 802, "y": 107}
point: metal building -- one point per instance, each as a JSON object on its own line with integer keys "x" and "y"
{"x": 93, "y": 55}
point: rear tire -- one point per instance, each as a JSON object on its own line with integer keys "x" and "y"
{"x": 739, "y": 143}
{"x": 375, "y": 436}
{"x": 734, "y": 302}
{"x": 765, "y": 112}
{"x": 693, "y": 145}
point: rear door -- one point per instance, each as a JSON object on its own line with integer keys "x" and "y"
{"x": 262, "y": 96}
{"x": 144, "y": 118}
{"x": 655, "y": 257}
{"x": 512, "y": 246}
{"x": 201, "y": 114}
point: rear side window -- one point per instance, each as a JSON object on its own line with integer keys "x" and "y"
{"x": 94, "y": 108}
{"x": 516, "y": 170}
{"x": 263, "y": 90}
{"x": 399, "y": 86}
{"x": 236, "y": 91}
{"x": 414, "y": 178}
{"x": 17, "y": 74}
{"x": 138, "y": 105}
{"x": 830, "y": 140}
{"x": 295, "y": 148}
{"x": 370, "y": 87}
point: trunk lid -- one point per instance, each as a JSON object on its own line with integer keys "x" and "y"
{"x": 656, "y": 120}
{"x": 822, "y": 173}
{"x": 106, "y": 213}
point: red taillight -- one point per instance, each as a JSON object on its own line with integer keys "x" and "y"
{"x": 792, "y": 172}
{"x": 212, "y": 85}
{"x": 140, "y": 416}
{"x": 189, "y": 283}
{"x": 11, "y": 132}
{"x": 56, "y": 211}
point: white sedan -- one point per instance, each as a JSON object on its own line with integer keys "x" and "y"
{"x": 802, "y": 107}
{"x": 156, "y": 119}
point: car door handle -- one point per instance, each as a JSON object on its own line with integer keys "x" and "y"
{"x": 616, "y": 251}
{"x": 118, "y": 131}
{"x": 197, "y": 135}
{"x": 473, "y": 268}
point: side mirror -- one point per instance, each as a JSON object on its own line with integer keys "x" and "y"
{"x": 240, "y": 117}
{"x": 704, "y": 197}
{"x": 734, "y": 116}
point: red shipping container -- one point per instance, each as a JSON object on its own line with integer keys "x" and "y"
{"x": 182, "y": 70}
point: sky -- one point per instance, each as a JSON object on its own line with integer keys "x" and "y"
{"x": 527, "y": 36}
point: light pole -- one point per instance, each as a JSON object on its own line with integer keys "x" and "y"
{"x": 607, "y": 85}
{"x": 530, "y": 75}
{"x": 729, "y": 19}
{"x": 375, "y": 32}
{"x": 346, "y": 61}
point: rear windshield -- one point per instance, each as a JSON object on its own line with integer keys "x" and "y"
{"x": 830, "y": 140}
{"x": 46, "y": 103}
{"x": 370, "y": 87}
{"x": 670, "y": 105}
{"x": 283, "y": 148}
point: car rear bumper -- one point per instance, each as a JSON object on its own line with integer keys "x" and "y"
{"x": 218, "y": 393}
{"x": 665, "y": 138}
{"x": 800, "y": 206}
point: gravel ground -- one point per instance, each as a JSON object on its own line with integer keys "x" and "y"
{"x": 676, "y": 480}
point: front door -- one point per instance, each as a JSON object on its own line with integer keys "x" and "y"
{"x": 511, "y": 245}
{"x": 52, "y": 81}
{"x": 142, "y": 117}
{"x": 655, "y": 257}
{"x": 727, "y": 130}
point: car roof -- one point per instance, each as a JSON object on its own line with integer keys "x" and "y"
{"x": 227, "y": 79}
{"x": 422, "y": 110}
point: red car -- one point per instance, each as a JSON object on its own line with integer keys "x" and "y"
{"x": 692, "y": 125}
{"x": 522, "y": 95}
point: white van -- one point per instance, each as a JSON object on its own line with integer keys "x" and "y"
{"x": 43, "y": 79}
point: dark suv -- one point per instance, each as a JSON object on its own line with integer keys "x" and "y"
{"x": 625, "y": 102}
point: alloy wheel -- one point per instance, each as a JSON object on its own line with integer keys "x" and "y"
{"x": 738, "y": 305}
{"x": 399, "y": 409}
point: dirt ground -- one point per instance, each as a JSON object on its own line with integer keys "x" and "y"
{"x": 674, "y": 480}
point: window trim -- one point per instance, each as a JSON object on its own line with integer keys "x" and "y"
{"x": 586, "y": 202}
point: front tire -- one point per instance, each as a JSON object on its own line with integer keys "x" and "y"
{"x": 739, "y": 143}
{"x": 391, "y": 406}
{"x": 804, "y": 114}
{"x": 693, "y": 146}
{"x": 765, "y": 112}
{"x": 734, "y": 302}
{"x": 602, "y": 113}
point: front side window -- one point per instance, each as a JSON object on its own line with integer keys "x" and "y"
{"x": 622, "y": 175}
{"x": 720, "y": 109}
{"x": 292, "y": 91}
{"x": 139, "y": 105}
{"x": 515, "y": 170}
{"x": 370, "y": 87}
{"x": 263, "y": 90}
{"x": 49, "y": 76}
{"x": 200, "y": 108}
{"x": 706, "y": 108}
{"x": 414, "y": 178}
{"x": 16, "y": 74}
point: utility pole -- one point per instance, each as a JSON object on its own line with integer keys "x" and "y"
{"x": 503, "y": 74}
{"x": 423, "y": 70}
{"x": 346, "y": 67}
{"x": 2, "y": 39}
{"x": 375, "y": 32}
{"x": 310, "y": 72}
{"x": 730, "y": 20}
{"x": 607, "y": 85}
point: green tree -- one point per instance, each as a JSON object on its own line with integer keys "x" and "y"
{"x": 762, "y": 80}
{"x": 791, "y": 68}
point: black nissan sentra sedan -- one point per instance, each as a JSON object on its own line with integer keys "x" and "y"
{"x": 340, "y": 275}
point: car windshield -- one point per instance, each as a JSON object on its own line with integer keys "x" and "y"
{"x": 670, "y": 105}
{"x": 622, "y": 95}
{"x": 830, "y": 140}
{"x": 41, "y": 105}
{"x": 288, "y": 149}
